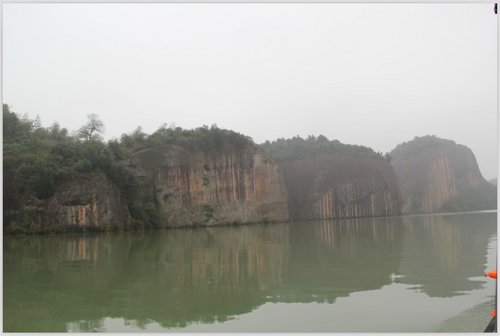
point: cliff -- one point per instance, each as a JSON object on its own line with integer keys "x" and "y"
{"x": 439, "y": 175}
{"x": 326, "y": 179}
{"x": 340, "y": 187}
{"x": 89, "y": 202}
{"x": 192, "y": 187}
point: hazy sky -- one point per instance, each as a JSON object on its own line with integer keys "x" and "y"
{"x": 371, "y": 74}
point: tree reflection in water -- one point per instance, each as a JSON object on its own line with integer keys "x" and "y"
{"x": 179, "y": 277}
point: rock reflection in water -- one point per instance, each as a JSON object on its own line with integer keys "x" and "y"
{"x": 172, "y": 277}
{"x": 331, "y": 259}
{"x": 441, "y": 253}
{"x": 180, "y": 277}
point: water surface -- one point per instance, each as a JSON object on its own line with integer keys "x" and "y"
{"x": 411, "y": 273}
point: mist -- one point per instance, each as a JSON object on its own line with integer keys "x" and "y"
{"x": 369, "y": 74}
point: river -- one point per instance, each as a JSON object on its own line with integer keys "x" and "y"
{"x": 403, "y": 274}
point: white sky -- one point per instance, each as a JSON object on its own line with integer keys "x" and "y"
{"x": 370, "y": 74}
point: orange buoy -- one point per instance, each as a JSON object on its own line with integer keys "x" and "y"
{"x": 492, "y": 274}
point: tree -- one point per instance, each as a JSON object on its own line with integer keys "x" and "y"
{"x": 92, "y": 129}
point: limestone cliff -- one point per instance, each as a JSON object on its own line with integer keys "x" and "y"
{"x": 201, "y": 187}
{"x": 89, "y": 202}
{"x": 436, "y": 175}
{"x": 329, "y": 186}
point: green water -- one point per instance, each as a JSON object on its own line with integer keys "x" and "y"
{"x": 413, "y": 273}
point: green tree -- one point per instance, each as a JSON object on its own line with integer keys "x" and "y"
{"x": 39, "y": 176}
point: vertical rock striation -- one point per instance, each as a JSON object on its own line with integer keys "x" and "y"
{"x": 434, "y": 174}
{"x": 89, "y": 202}
{"x": 198, "y": 187}
{"x": 340, "y": 186}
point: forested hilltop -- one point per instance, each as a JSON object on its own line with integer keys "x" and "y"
{"x": 298, "y": 148}
{"x": 57, "y": 181}
{"x": 38, "y": 160}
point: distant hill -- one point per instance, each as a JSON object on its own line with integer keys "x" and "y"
{"x": 436, "y": 174}
{"x": 328, "y": 179}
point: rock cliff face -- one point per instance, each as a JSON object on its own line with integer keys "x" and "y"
{"x": 433, "y": 173}
{"x": 344, "y": 186}
{"x": 195, "y": 187}
{"x": 90, "y": 202}
{"x": 228, "y": 183}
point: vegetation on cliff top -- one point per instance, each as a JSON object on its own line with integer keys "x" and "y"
{"x": 298, "y": 148}
{"x": 411, "y": 148}
{"x": 36, "y": 160}
{"x": 204, "y": 138}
